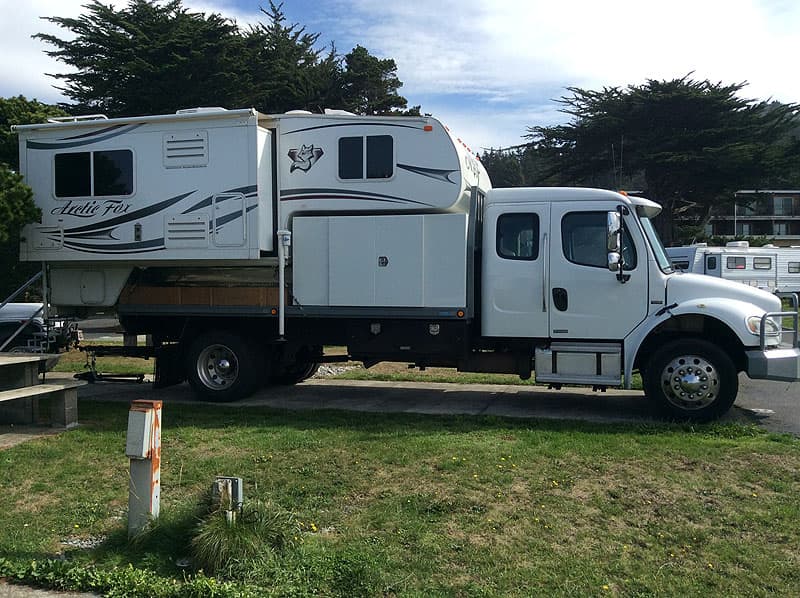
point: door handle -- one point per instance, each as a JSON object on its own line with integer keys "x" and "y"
{"x": 560, "y": 299}
{"x": 545, "y": 272}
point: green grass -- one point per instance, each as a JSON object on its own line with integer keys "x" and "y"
{"x": 412, "y": 505}
{"x": 76, "y": 361}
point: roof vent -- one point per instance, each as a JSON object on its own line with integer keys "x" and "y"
{"x": 332, "y": 112}
{"x": 298, "y": 112}
{"x": 740, "y": 244}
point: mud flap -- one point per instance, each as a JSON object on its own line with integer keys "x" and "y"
{"x": 169, "y": 366}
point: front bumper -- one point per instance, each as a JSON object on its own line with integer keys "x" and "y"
{"x": 774, "y": 364}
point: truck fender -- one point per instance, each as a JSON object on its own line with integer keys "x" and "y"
{"x": 729, "y": 313}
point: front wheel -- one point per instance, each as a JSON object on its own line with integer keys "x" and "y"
{"x": 692, "y": 379}
{"x": 222, "y": 366}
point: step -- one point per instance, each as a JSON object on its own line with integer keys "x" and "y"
{"x": 21, "y": 405}
{"x": 19, "y": 370}
{"x": 38, "y": 390}
{"x": 18, "y": 358}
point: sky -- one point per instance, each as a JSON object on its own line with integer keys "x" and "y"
{"x": 489, "y": 69}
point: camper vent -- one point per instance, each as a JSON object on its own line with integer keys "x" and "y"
{"x": 186, "y": 149}
{"x": 186, "y": 230}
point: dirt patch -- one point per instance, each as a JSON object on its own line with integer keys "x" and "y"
{"x": 11, "y": 435}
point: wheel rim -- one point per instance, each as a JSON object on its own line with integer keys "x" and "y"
{"x": 690, "y": 382}
{"x": 217, "y": 367}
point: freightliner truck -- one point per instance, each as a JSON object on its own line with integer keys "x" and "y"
{"x": 244, "y": 244}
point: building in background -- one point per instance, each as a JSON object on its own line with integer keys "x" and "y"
{"x": 772, "y": 213}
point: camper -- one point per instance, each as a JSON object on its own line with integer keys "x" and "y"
{"x": 771, "y": 268}
{"x": 245, "y": 243}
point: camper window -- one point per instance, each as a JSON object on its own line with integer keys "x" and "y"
{"x": 373, "y": 155}
{"x": 94, "y": 174}
{"x": 735, "y": 263}
{"x": 762, "y": 263}
{"x": 518, "y": 236}
{"x": 794, "y": 267}
{"x": 73, "y": 175}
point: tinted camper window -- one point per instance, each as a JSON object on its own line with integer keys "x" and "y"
{"x": 794, "y": 267}
{"x": 380, "y": 157}
{"x": 94, "y": 174}
{"x": 351, "y": 158}
{"x": 73, "y": 174}
{"x": 379, "y": 152}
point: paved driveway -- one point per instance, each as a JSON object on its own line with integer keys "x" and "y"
{"x": 775, "y": 406}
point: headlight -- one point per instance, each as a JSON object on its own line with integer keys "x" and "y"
{"x": 754, "y": 326}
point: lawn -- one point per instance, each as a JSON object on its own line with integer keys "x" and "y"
{"x": 411, "y": 505}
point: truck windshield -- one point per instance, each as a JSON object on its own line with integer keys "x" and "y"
{"x": 655, "y": 242}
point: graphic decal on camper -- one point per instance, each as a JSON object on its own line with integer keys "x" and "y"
{"x": 419, "y": 127}
{"x": 85, "y": 139}
{"x": 247, "y": 191}
{"x": 305, "y": 157}
{"x": 299, "y": 194}
{"x": 78, "y": 238}
{"x": 433, "y": 173}
{"x": 91, "y": 208}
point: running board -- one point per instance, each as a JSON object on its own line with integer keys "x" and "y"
{"x": 593, "y": 364}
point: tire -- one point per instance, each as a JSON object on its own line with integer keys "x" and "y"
{"x": 222, "y": 366}
{"x": 692, "y": 379}
{"x": 296, "y": 373}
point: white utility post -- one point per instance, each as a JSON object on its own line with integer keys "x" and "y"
{"x": 143, "y": 447}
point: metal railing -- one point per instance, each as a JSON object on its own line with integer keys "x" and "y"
{"x": 794, "y": 300}
{"x": 33, "y": 316}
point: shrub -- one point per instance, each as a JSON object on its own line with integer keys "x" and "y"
{"x": 260, "y": 532}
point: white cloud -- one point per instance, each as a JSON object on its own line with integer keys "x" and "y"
{"x": 507, "y": 59}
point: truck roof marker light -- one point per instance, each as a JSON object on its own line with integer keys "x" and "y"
{"x": 460, "y": 313}
{"x": 621, "y": 192}
{"x": 427, "y": 128}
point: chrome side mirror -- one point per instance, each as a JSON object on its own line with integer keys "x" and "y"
{"x": 614, "y": 232}
{"x": 614, "y": 262}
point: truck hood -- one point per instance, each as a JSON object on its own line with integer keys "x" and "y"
{"x": 688, "y": 287}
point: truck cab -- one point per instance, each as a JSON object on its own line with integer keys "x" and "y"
{"x": 582, "y": 275}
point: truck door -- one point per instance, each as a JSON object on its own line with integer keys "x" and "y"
{"x": 586, "y": 300}
{"x": 515, "y": 242}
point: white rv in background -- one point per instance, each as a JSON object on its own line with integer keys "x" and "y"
{"x": 245, "y": 243}
{"x": 771, "y": 268}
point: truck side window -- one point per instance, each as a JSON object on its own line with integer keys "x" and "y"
{"x": 518, "y": 236}
{"x": 735, "y": 263}
{"x": 583, "y": 240}
{"x": 379, "y": 152}
{"x": 94, "y": 174}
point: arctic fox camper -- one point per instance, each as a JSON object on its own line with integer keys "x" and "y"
{"x": 774, "y": 269}
{"x": 245, "y": 243}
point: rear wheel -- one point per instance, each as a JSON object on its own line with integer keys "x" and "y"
{"x": 692, "y": 379}
{"x": 222, "y": 366}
